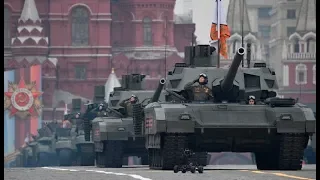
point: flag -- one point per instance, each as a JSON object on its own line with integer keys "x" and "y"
{"x": 220, "y": 18}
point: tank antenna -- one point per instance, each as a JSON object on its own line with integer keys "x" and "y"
{"x": 165, "y": 48}
{"x": 242, "y": 22}
{"x": 218, "y": 30}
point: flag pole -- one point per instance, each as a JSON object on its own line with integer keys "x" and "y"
{"x": 242, "y": 23}
{"x": 218, "y": 30}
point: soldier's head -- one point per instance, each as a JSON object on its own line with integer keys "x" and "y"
{"x": 101, "y": 106}
{"x": 252, "y": 100}
{"x": 203, "y": 79}
{"x": 133, "y": 99}
{"x": 78, "y": 115}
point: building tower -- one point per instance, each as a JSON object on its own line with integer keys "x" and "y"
{"x": 298, "y": 58}
{"x": 238, "y": 22}
{"x": 30, "y": 45}
{"x": 143, "y": 38}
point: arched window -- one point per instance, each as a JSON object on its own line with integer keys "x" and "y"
{"x": 7, "y": 27}
{"x": 80, "y": 26}
{"x": 311, "y": 46}
{"x": 314, "y": 74}
{"x": 296, "y": 47}
{"x": 235, "y": 46}
{"x": 301, "y": 74}
{"x": 147, "y": 32}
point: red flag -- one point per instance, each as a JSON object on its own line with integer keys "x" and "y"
{"x": 220, "y": 18}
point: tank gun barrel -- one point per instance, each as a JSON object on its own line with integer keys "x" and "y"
{"x": 157, "y": 92}
{"x": 227, "y": 83}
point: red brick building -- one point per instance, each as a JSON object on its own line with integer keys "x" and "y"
{"x": 83, "y": 40}
{"x": 295, "y": 44}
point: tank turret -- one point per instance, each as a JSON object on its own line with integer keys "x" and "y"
{"x": 224, "y": 89}
{"x": 132, "y": 81}
{"x": 199, "y": 56}
{"x": 157, "y": 92}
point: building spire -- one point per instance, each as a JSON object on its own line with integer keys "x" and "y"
{"x": 234, "y": 17}
{"x": 307, "y": 16}
{"x": 29, "y": 11}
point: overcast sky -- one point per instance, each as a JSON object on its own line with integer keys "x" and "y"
{"x": 202, "y": 17}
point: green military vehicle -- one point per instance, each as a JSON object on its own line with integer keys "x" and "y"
{"x": 277, "y": 130}
{"x": 112, "y": 131}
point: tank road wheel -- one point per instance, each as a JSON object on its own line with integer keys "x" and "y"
{"x": 288, "y": 156}
{"x": 137, "y": 119}
{"x": 112, "y": 155}
{"x": 170, "y": 153}
{"x": 65, "y": 157}
{"x": 200, "y": 158}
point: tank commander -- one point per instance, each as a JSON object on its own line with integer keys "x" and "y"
{"x": 102, "y": 110}
{"x": 252, "y": 100}
{"x": 200, "y": 92}
{"x": 127, "y": 104}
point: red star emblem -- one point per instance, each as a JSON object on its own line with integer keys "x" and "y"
{"x": 22, "y": 98}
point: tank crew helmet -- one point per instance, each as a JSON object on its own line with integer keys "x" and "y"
{"x": 133, "y": 98}
{"x": 78, "y": 115}
{"x": 205, "y": 79}
{"x": 252, "y": 99}
{"x": 101, "y": 106}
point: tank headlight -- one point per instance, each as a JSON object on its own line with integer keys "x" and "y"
{"x": 286, "y": 117}
{"x": 185, "y": 117}
{"x": 121, "y": 129}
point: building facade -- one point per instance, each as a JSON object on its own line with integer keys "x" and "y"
{"x": 293, "y": 49}
{"x": 78, "y": 42}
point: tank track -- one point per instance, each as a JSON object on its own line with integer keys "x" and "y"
{"x": 170, "y": 154}
{"x": 288, "y": 154}
{"x": 137, "y": 118}
{"x": 87, "y": 129}
{"x": 112, "y": 155}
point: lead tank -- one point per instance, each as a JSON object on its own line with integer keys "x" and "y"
{"x": 277, "y": 130}
{"x": 113, "y": 133}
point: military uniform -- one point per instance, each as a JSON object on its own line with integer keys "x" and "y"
{"x": 128, "y": 106}
{"x": 200, "y": 92}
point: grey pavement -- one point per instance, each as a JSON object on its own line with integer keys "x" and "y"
{"x": 225, "y": 172}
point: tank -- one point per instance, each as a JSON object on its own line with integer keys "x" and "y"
{"x": 271, "y": 129}
{"x": 65, "y": 144}
{"x": 45, "y": 147}
{"x": 114, "y": 134}
{"x": 84, "y": 149}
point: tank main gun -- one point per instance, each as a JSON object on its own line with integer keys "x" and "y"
{"x": 227, "y": 83}
{"x": 223, "y": 89}
{"x": 157, "y": 92}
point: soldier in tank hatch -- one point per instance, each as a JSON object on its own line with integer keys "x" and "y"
{"x": 127, "y": 104}
{"x": 200, "y": 92}
{"x": 252, "y": 100}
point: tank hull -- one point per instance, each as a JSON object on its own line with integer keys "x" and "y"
{"x": 116, "y": 136}
{"x": 260, "y": 129}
